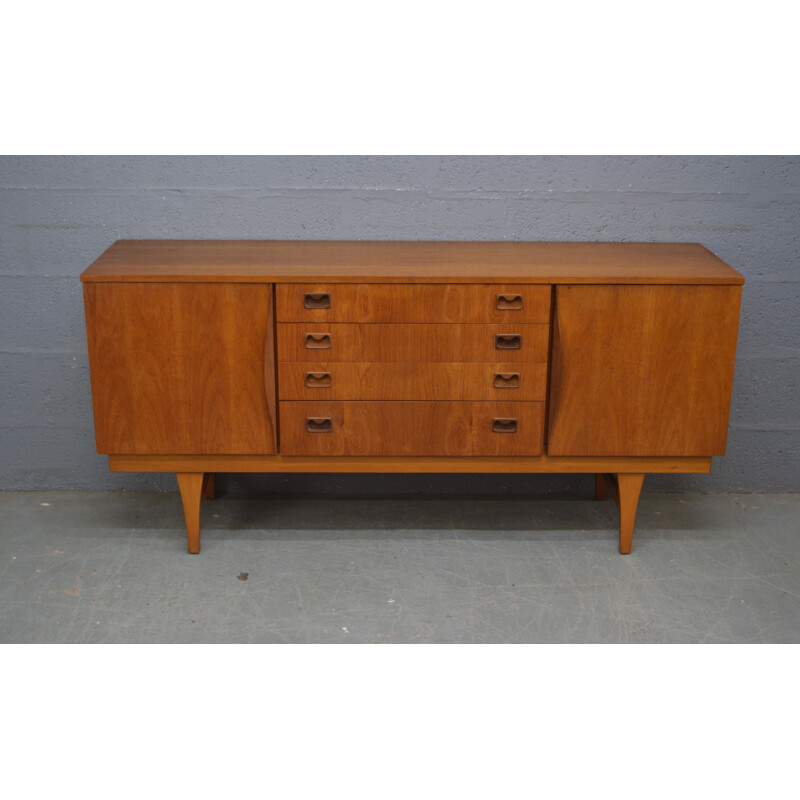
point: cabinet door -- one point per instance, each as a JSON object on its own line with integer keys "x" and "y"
{"x": 642, "y": 370}
{"x": 181, "y": 368}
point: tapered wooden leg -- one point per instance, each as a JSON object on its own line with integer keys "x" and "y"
{"x": 191, "y": 486}
{"x": 210, "y": 486}
{"x": 625, "y": 489}
{"x": 600, "y": 492}
{"x": 629, "y": 486}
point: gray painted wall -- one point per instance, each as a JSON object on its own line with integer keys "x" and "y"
{"x": 57, "y": 214}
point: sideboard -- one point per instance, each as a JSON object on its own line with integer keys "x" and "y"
{"x": 307, "y": 356}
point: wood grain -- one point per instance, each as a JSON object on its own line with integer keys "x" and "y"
{"x": 179, "y": 368}
{"x": 625, "y": 488}
{"x": 270, "y": 371}
{"x": 412, "y": 381}
{"x": 408, "y": 428}
{"x": 410, "y": 262}
{"x": 406, "y": 464}
{"x": 191, "y": 488}
{"x": 412, "y": 342}
{"x": 432, "y": 303}
{"x": 642, "y": 370}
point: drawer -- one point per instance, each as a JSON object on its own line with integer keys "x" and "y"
{"x": 376, "y": 302}
{"x": 331, "y": 428}
{"x": 409, "y": 381}
{"x": 426, "y": 343}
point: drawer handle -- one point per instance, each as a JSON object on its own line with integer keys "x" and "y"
{"x": 317, "y": 300}
{"x": 506, "y": 380}
{"x": 319, "y": 425}
{"x": 504, "y": 425}
{"x": 508, "y": 341}
{"x": 318, "y": 341}
{"x": 318, "y": 380}
{"x": 509, "y": 302}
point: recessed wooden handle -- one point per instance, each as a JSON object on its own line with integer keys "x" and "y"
{"x": 508, "y": 341}
{"x": 319, "y": 425}
{"x": 506, "y": 380}
{"x": 509, "y": 302}
{"x": 318, "y": 341}
{"x": 504, "y": 425}
{"x": 317, "y": 300}
{"x": 318, "y": 380}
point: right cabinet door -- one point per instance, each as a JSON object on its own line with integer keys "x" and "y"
{"x": 642, "y": 370}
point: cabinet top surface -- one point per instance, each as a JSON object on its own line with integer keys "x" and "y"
{"x": 409, "y": 262}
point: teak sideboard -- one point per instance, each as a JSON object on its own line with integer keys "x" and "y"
{"x": 295, "y": 356}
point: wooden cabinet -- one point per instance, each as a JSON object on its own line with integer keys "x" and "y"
{"x": 613, "y": 359}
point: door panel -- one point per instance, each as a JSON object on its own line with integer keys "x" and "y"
{"x": 642, "y": 370}
{"x": 180, "y": 368}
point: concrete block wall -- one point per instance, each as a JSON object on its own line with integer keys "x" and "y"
{"x": 57, "y": 214}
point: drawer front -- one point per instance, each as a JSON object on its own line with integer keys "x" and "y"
{"x": 420, "y": 343}
{"x": 331, "y": 428}
{"x": 409, "y": 381}
{"x": 307, "y": 302}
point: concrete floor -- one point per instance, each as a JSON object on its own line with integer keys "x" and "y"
{"x": 112, "y": 567}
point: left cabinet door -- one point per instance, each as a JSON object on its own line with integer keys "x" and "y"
{"x": 182, "y": 368}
